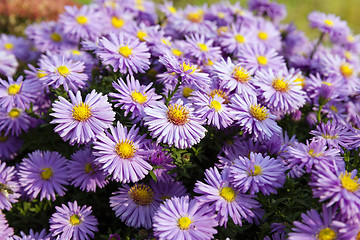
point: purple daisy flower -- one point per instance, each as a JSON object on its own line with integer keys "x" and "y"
{"x": 5, "y": 231}
{"x": 9, "y": 146}
{"x": 276, "y": 12}
{"x": 61, "y": 70}
{"x": 81, "y": 121}
{"x": 43, "y": 173}
{"x": 18, "y": 46}
{"x": 121, "y": 153}
{"x": 135, "y": 205}
{"x": 8, "y": 64}
{"x": 9, "y": 187}
{"x": 43, "y": 235}
{"x": 341, "y": 188}
{"x": 281, "y": 91}
{"x": 83, "y": 23}
{"x": 221, "y": 195}
{"x": 268, "y": 34}
{"x": 174, "y": 124}
{"x": 73, "y": 222}
{"x": 166, "y": 189}
{"x": 133, "y": 97}
{"x": 14, "y": 122}
{"x": 315, "y": 226}
{"x": 327, "y": 23}
{"x": 333, "y": 134}
{"x": 254, "y": 118}
{"x": 84, "y": 173}
{"x": 202, "y": 49}
{"x": 124, "y": 52}
{"x": 182, "y": 218}
{"x": 257, "y": 173}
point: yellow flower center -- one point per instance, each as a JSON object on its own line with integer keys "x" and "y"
{"x": 358, "y": 236}
{"x": 221, "y": 15}
{"x": 222, "y": 30}
{"x": 187, "y": 91}
{"x": 228, "y": 194}
{"x": 184, "y": 223}
{"x": 166, "y": 42}
{"x": 326, "y": 234}
{"x": 41, "y": 74}
{"x": 334, "y": 109}
{"x": 300, "y": 80}
{"x": 328, "y": 22}
{"x": 81, "y": 20}
{"x": 14, "y": 113}
{"x": 141, "y": 35}
{"x": 141, "y": 194}
{"x": 89, "y": 168}
{"x": 75, "y": 220}
{"x": 350, "y": 38}
{"x": 46, "y": 173}
{"x": 313, "y": 154}
{"x": 56, "y": 37}
{"x": 140, "y": 5}
{"x": 326, "y": 83}
{"x": 346, "y": 70}
{"x": 215, "y": 105}
{"x": 241, "y": 74}
{"x": 81, "y": 112}
{"x": 259, "y": 112}
{"x": 262, "y": 35}
{"x": 220, "y": 93}
{"x": 14, "y": 89}
{"x": 178, "y": 114}
{"x": 209, "y": 62}
{"x": 125, "y": 149}
{"x": 195, "y": 17}
{"x": 117, "y": 22}
{"x": 187, "y": 67}
{"x": 176, "y": 52}
{"x": 239, "y": 38}
{"x": 75, "y": 52}
{"x": 257, "y": 171}
{"x": 329, "y": 136}
{"x": 203, "y": 47}
{"x": 138, "y": 97}
{"x": 280, "y": 85}
{"x": 8, "y": 46}
{"x": 125, "y": 51}
{"x": 262, "y": 60}
{"x": 350, "y": 184}
{"x": 348, "y": 55}
{"x": 63, "y": 71}
{"x": 172, "y": 9}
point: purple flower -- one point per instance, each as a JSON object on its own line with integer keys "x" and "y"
{"x": 18, "y": 46}
{"x": 43, "y": 235}
{"x": 182, "y": 218}
{"x": 122, "y": 154}
{"x": 124, "y": 52}
{"x": 202, "y": 49}
{"x": 5, "y": 230}
{"x": 9, "y": 146}
{"x": 83, "y": 171}
{"x": 254, "y": 118}
{"x": 8, "y": 63}
{"x": 236, "y": 38}
{"x": 73, "y": 222}
{"x": 268, "y": 34}
{"x": 44, "y": 174}
{"x": 335, "y": 135}
{"x": 135, "y": 205}
{"x": 81, "y": 121}
{"x": 14, "y": 122}
{"x": 276, "y": 12}
{"x": 9, "y": 187}
{"x": 327, "y": 23}
{"x": 224, "y": 198}
{"x": 257, "y": 173}
{"x": 174, "y": 125}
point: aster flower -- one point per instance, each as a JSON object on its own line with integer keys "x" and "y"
{"x": 43, "y": 173}
{"x": 135, "y": 205}
{"x": 254, "y": 118}
{"x": 268, "y": 34}
{"x": 122, "y": 154}
{"x": 73, "y": 222}
{"x": 166, "y": 189}
{"x": 14, "y": 122}
{"x": 257, "y": 173}
{"x": 182, "y": 218}
{"x": 333, "y": 134}
{"x": 327, "y": 23}
{"x": 5, "y": 230}
{"x": 276, "y": 12}
{"x": 9, "y": 187}
{"x": 133, "y": 97}
{"x": 340, "y": 188}
{"x": 202, "y": 49}
{"x": 81, "y": 121}
{"x": 124, "y": 52}
{"x": 43, "y": 235}
{"x": 8, "y": 64}
{"x": 236, "y": 38}
{"x": 174, "y": 124}
{"x": 83, "y": 171}
{"x": 61, "y": 70}
{"x": 224, "y": 198}
{"x": 281, "y": 91}
{"x": 9, "y": 146}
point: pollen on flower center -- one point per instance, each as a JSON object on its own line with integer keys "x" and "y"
{"x": 350, "y": 184}
{"x": 41, "y": 74}
{"x": 14, "y": 113}
{"x": 141, "y": 35}
{"x": 262, "y": 35}
{"x": 280, "y": 85}
{"x": 300, "y": 80}
{"x": 215, "y": 105}
{"x": 228, "y": 194}
{"x": 187, "y": 67}
{"x": 312, "y": 154}
{"x": 8, "y": 46}
{"x": 239, "y": 38}
{"x": 195, "y": 17}
{"x": 222, "y": 30}
{"x": 89, "y": 168}
{"x": 56, "y": 37}
{"x": 262, "y": 60}
{"x": 333, "y": 108}
{"x": 326, "y": 234}
{"x": 203, "y": 47}
{"x": 176, "y": 52}
{"x": 14, "y": 89}
{"x": 220, "y": 93}
{"x": 141, "y": 194}
{"x": 81, "y": 112}
{"x": 46, "y": 173}
{"x": 81, "y": 20}
{"x": 178, "y": 114}
{"x": 241, "y": 75}
{"x": 125, "y": 148}
{"x": 259, "y": 112}
{"x": 63, "y": 71}
{"x": 184, "y": 223}
{"x": 346, "y": 70}
{"x": 117, "y": 22}
{"x": 187, "y": 91}
{"x": 257, "y": 171}
{"x": 138, "y": 97}
{"x": 125, "y": 51}
{"x": 75, "y": 220}
{"x": 328, "y": 22}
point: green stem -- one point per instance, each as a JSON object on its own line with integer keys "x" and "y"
{"x": 321, "y": 37}
{"x": 319, "y": 113}
{"x": 172, "y": 93}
